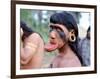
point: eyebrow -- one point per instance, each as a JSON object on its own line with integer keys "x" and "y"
{"x": 56, "y": 27}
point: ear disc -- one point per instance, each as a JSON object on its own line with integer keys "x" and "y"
{"x": 72, "y": 37}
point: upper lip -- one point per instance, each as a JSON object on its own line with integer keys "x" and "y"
{"x": 52, "y": 42}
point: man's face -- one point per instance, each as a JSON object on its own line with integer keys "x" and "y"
{"x": 55, "y": 40}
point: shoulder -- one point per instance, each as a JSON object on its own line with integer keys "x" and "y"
{"x": 74, "y": 62}
{"x": 35, "y": 36}
{"x": 82, "y": 41}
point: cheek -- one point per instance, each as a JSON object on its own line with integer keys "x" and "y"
{"x": 60, "y": 41}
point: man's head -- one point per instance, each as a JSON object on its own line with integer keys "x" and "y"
{"x": 63, "y": 30}
{"x": 26, "y": 30}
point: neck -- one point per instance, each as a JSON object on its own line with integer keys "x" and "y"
{"x": 66, "y": 51}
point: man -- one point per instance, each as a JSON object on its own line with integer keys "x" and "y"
{"x": 84, "y": 47}
{"x": 32, "y": 48}
{"x": 63, "y": 37}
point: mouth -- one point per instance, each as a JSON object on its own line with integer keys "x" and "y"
{"x": 51, "y": 46}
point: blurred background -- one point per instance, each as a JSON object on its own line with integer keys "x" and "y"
{"x": 38, "y": 20}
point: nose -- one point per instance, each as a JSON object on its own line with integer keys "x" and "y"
{"x": 52, "y": 34}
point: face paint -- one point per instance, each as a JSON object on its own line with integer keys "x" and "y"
{"x": 59, "y": 31}
{"x": 62, "y": 35}
{"x": 52, "y": 45}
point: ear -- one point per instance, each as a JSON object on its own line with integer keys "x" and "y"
{"x": 72, "y": 31}
{"x": 21, "y": 30}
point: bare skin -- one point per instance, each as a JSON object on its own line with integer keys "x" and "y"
{"x": 66, "y": 57}
{"x": 32, "y": 52}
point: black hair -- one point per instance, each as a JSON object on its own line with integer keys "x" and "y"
{"x": 69, "y": 22}
{"x": 88, "y": 30}
{"x": 26, "y": 30}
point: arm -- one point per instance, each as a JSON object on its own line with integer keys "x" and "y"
{"x": 30, "y": 48}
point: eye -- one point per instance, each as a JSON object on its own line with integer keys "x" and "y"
{"x": 59, "y": 29}
{"x": 52, "y": 28}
